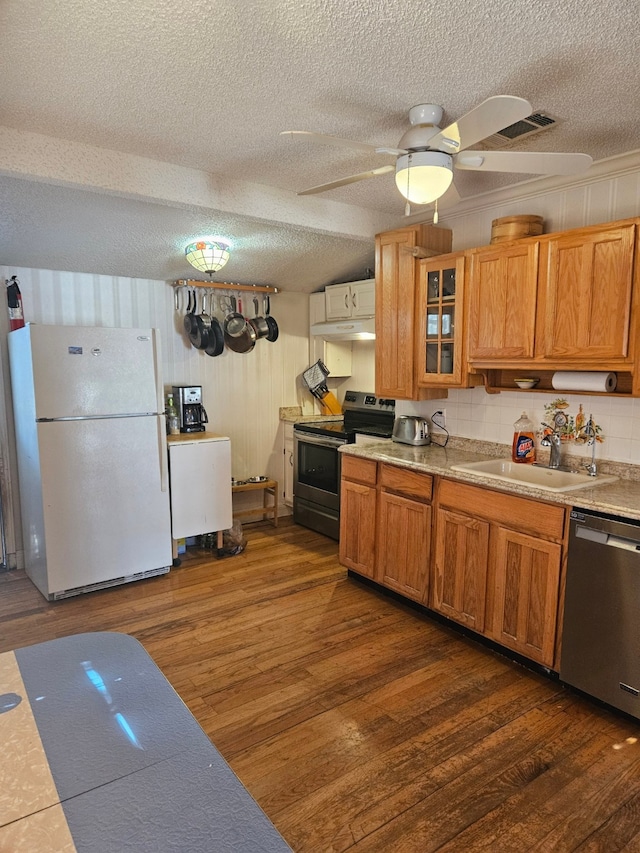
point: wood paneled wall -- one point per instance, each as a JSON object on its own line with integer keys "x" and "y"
{"x": 242, "y": 392}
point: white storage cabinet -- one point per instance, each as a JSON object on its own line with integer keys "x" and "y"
{"x": 355, "y": 299}
{"x": 200, "y": 483}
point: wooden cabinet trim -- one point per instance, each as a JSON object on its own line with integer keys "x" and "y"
{"x": 359, "y": 470}
{"x": 404, "y": 481}
{"x": 526, "y": 515}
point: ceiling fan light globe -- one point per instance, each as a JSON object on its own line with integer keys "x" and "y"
{"x": 424, "y": 176}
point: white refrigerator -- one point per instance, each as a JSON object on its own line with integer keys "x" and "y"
{"x": 92, "y": 458}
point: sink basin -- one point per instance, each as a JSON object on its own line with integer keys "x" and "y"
{"x": 550, "y": 479}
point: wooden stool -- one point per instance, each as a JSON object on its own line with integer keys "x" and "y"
{"x": 270, "y": 487}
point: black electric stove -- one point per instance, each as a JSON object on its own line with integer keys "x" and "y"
{"x": 316, "y": 457}
{"x": 362, "y": 413}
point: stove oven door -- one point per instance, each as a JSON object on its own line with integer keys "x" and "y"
{"x": 316, "y": 469}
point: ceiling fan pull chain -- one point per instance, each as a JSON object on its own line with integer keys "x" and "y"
{"x": 435, "y": 213}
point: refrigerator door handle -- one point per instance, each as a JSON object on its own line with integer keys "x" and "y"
{"x": 162, "y": 452}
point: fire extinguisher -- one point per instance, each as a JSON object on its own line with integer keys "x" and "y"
{"x": 14, "y": 301}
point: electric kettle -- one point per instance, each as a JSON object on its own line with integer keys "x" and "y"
{"x": 410, "y": 429}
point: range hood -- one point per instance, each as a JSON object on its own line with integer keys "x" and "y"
{"x": 346, "y": 330}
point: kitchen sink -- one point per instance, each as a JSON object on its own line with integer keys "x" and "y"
{"x": 550, "y": 479}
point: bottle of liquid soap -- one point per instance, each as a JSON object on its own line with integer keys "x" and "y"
{"x": 173, "y": 423}
{"x": 524, "y": 448}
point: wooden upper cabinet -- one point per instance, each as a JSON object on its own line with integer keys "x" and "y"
{"x": 502, "y": 301}
{"x": 587, "y": 300}
{"x": 440, "y": 307}
{"x": 396, "y": 277}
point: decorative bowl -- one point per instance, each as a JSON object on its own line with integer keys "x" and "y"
{"x": 526, "y": 382}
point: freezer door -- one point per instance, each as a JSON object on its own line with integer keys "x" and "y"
{"x": 200, "y": 474}
{"x": 80, "y": 371}
{"x": 105, "y": 502}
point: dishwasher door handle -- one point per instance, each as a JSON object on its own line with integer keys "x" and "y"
{"x": 603, "y": 538}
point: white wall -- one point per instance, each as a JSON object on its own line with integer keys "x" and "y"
{"x": 241, "y": 392}
{"x": 473, "y": 413}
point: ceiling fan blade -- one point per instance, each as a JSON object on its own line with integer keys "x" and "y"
{"x": 343, "y": 182}
{"x": 528, "y": 162}
{"x": 325, "y": 139}
{"x": 488, "y": 117}
{"x": 450, "y": 198}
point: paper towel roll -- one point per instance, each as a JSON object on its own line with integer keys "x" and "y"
{"x": 583, "y": 380}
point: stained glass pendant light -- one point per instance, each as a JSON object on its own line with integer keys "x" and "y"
{"x": 208, "y": 255}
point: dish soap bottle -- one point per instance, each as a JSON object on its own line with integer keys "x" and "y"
{"x": 173, "y": 423}
{"x": 524, "y": 449}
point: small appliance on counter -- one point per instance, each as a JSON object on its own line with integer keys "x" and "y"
{"x": 410, "y": 429}
{"x": 191, "y": 413}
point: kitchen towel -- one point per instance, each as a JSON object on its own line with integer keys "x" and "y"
{"x": 583, "y": 380}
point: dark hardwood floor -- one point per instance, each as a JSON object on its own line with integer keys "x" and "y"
{"x": 357, "y": 723}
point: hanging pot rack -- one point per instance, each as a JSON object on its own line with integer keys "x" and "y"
{"x": 222, "y": 285}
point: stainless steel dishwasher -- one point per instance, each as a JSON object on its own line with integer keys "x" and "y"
{"x": 601, "y": 634}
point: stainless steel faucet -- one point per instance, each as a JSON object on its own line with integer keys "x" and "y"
{"x": 590, "y": 430}
{"x": 552, "y": 441}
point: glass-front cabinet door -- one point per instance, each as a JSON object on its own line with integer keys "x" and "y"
{"x": 440, "y": 301}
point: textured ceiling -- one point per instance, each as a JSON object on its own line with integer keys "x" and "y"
{"x": 128, "y": 128}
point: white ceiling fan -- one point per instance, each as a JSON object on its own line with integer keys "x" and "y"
{"x": 426, "y": 154}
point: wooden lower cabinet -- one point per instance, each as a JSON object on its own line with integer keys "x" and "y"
{"x": 498, "y": 567}
{"x": 461, "y": 562}
{"x": 526, "y": 586}
{"x": 358, "y": 501}
{"x": 385, "y": 525}
{"x": 404, "y": 545}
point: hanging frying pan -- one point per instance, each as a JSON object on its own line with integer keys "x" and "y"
{"x": 189, "y": 317}
{"x": 200, "y": 338}
{"x": 215, "y": 344}
{"x": 271, "y": 323}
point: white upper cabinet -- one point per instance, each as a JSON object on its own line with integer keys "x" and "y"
{"x": 355, "y": 299}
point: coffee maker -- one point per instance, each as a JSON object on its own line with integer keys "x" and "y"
{"x": 191, "y": 413}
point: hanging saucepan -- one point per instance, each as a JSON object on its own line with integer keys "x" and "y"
{"x": 259, "y": 323}
{"x": 245, "y": 341}
{"x": 271, "y": 323}
{"x": 190, "y": 317}
{"x": 234, "y": 322}
{"x": 215, "y": 345}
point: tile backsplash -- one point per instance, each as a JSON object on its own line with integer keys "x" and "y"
{"x": 472, "y": 413}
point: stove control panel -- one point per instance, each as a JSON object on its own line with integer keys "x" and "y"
{"x": 361, "y": 401}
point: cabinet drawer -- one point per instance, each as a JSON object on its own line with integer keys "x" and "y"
{"x": 413, "y": 484}
{"x": 359, "y": 470}
{"x": 523, "y": 514}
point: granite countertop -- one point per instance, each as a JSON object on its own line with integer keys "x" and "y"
{"x": 620, "y": 498}
{"x": 293, "y": 415}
